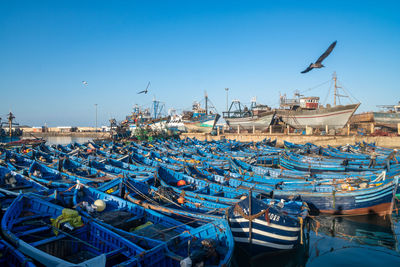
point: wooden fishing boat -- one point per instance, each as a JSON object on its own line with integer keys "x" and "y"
{"x": 25, "y": 142}
{"x": 15, "y": 161}
{"x": 199, "y": 119}
{"x": 122, "y": 216}
{"x": 9, "y": 256}
{"x": 264, "y": 236}
{"x": 54, "y": 178}
{"x": 335, "y": 117}
{"x": 154, "y": 230}
{"x": 128, "y": 166}
{"x": 28, "y": 226}
{"x": 151, "y": 162}
{"x": 258, "y": 117}
{"x": 72, "y": 163}
{"x": 13, "y": 182}
{"x": 377, "y": 198}
{"x": 301, "y": 112}
{"x": 140, "y": 175}
{"x": 259, "y": 228}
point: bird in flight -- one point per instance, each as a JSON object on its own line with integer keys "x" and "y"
{"x": 85, "y": 83}
{"x": 318, "y": 63}
{"x": 145, "y": 91}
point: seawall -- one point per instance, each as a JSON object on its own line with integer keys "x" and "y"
{"x": 337, "y": 140}
{"x": 68, "y": 134}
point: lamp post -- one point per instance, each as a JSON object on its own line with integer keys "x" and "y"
{"x": 226, "y": 89}
{"x": 96, "y": 116}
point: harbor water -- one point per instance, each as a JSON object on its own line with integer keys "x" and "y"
{"x": 339, "y": 241}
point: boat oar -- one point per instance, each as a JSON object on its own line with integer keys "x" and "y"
{"x": 69, "y": 235}
{"x": 8, "y": 192}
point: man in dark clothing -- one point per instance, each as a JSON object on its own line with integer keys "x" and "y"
{"x": 372, "y": 161}
{"x": 60, "y": 164}
{"x": 392, "y": 156}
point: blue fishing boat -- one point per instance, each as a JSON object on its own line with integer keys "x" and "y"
{"x": 35, "y": 228}
{"x": 53, "y": 178}
{"x": 151, "y": 230}
{"x": 13, "y": 182}
{"x": 9, "y": 256}
{"x": 123, "y": 216}
{"x": 127, "y": 166}
{"x": 373, "y": 198}
{"x": 140, "y": 175}
{"x": 259, "y": 228}
{"x": 281, "y": 235}
{"x": 14, "y": 160}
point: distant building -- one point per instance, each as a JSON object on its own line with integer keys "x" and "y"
{"x": 61, "y": 129}
{"x": 105, "y": 128}
{"x": 86, "y": 129}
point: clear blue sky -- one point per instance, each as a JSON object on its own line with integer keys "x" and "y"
{"x": 256, "y": 48}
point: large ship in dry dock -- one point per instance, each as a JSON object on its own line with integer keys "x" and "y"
{"x": 257, "y": 117}
{"x": 389, "y": 118}
{"x": 200, "y": 119}
{"x": 301, "y": 112}
{"x": 302, "y": 115}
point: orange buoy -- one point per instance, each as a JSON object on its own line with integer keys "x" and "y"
{"x": 181, "y": 183}
{"x": 181, "y": 200}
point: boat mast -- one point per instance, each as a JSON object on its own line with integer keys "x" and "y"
{"x": 335, "y": 94}
{"x": 11, "y": 117}
{"x": 155, "y": 108}
{"x": 206, "y": 99}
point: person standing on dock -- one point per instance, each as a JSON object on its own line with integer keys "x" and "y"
{"x": 392, "y": 156}
{"x": 372, "y": 161}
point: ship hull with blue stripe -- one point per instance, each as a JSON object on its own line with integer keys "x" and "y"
{"x": 374, "y": 200}
{"x": 202, "y": 124}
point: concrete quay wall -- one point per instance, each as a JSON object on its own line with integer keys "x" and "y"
{"x": 385, "y": 141}
{"x": 68, "y": 134}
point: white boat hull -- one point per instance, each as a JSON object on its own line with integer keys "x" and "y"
{"x": 335, "y": 117}
{"x": 259, "y": 123}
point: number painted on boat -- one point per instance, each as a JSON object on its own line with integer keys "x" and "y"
{"x": 274, "y": 217}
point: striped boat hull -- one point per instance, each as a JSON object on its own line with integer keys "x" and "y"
{"x": 270, "y": 230}
{"x": 377, "y": 200}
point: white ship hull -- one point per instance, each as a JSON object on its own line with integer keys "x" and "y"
{"x": 205, "y": 125}
{"x": 258, "y": 122}
{"x": 335, "y": 118}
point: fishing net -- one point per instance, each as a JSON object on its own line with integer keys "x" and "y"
{"x": 119, "y": 219}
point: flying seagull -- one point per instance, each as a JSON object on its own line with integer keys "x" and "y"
{"x": 318, "y": 63}
{"x": 85, "y": 83}
{"x": 145, "y": 91}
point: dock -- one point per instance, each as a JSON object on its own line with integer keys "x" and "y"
{"x": 320, "y": 140}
